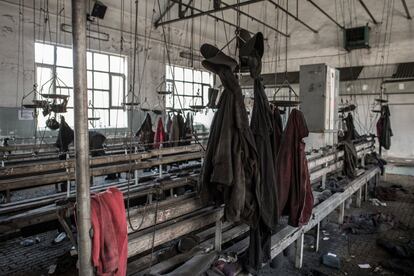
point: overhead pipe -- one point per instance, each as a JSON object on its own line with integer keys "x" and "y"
{"x": 327, "y": 15}
{"x": 80, "y": 92}
{"x": 201, "y": 12}
{"x": 368, "y": 11}
{"x": 296, "y": 17}
{"x": 255, "y": 19}
{"x": 163, "y": 13}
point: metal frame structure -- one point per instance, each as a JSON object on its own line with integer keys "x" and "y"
{"x": 326, "y": 14}
{"x": 407, "y": 12}
{"x": 368, "y": 11}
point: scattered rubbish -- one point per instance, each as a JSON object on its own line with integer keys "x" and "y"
{"x": 389, "y": 193}
{"x": 377, "y": 202}
{"x": 59, "y": 238}
{"x": 397, "y": 249}
{"x": 73, "y": 251}
{"x": 52, "y": 269}
{"x": 378, "y": 269}
{"x": 29, "y": 242}
{"x": 364, "y": 266}
{"x": 331, "y": 260}
{"x": 369, "y": 223}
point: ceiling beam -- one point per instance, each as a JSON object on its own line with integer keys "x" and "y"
{"x": 255, "y": 19}
{"x": 368, "y": 11}
{"x": 326, "y": 14}
{"x": 293, "y": 16}
{"x": 406, "y": 9}
{"x": 167, "y": 9}
{"x": 201, "y": 12}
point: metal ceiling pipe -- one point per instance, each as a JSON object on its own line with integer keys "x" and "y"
{"x": 80, "y": 92}
{"x": 406, "y": 9}
{"x": 167, "y": 9}
{"x": 255, "y": 19}
{"x": 368, "y": 11}
{"x": 327, "y": 15}
{"x": 198, "y": 14}
{"x": 201, "y": 12}
{"x": 293, "y": 16}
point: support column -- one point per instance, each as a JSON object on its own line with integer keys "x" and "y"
{"x": 317, "y": 239}
{"x": 299, "y": 251}
{"x": 218, "y": 237}
{"x": 80, "y": 93}
{"x": 359, "y": 197}
{"x": 341, "y": 213}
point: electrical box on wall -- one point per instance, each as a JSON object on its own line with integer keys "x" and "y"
{"x": 318, "y": 93}
{"x": 356, "y": 38}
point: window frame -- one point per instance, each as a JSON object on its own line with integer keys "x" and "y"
{"x": 174, "y": 81}
{"x": 56, "y": 86}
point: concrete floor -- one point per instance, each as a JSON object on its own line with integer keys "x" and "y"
{"x": 352, "y": 249}
{"x": 355, "y": 249}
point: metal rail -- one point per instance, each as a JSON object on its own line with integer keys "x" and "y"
{"x": 293, "y": 16}
{"x": 368, "y": 11}
{"x": 326, "y": 14}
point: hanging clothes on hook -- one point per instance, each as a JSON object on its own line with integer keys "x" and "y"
{"x": 293, "y": 180}
{"x": 159, "y": 134}
{"x": 351, "y": 133}
{"x": 177, "y": 130}
{"x": 65, "y": 136}
{"x": 188, "y": 129}
{"x": 145, "y": 133}
{"x": 262, "y": 122}
{"x": 384, "y": 131}
{"x": 230, "y": 170}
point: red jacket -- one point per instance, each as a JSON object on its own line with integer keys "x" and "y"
{"x": 293, "y": 179}
{"x": 159, "y": 134}
{"x": 110, "y": 233}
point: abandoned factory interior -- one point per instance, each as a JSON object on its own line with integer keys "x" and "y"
{"x": 207, "y": 137}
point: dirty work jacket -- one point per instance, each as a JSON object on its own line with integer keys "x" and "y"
{"x": 230, "y": 170}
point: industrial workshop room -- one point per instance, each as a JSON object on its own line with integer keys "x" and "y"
{"x": 207, "y": 137}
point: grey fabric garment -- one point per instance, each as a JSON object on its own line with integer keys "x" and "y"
{"x": 230, "y": 170}
{"x": 65, "y": 136}
{"x": 145, "y": 133}
{"x": 384, "y": 131}
{"x": 350, "y": 158}
{"x": 262, "y": 123}
{"x": 351, "y": 133}
{"x": 262, "y": 127}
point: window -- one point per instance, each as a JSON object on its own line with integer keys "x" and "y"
{"x": 191, "y": 87}
{"x": 106, "y": 77}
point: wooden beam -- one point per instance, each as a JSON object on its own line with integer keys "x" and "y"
{"x": 141, "y": 242}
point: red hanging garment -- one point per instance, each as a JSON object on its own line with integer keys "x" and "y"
{"x": 159, "y": 134}
{"x": 110, "y": 233}
{"x": 293, "y": 180}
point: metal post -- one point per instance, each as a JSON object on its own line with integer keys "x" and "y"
{"x": 83, "y": 209}
{"x": 136, "y": 171}
{"x": 299, "y": 251}
{"x": 67, "y": 181}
